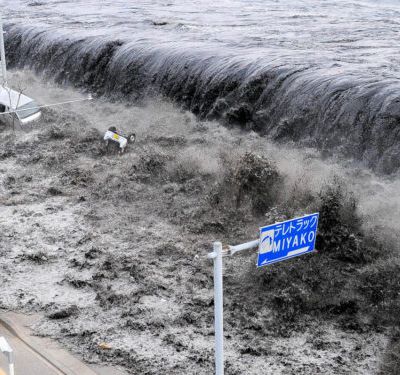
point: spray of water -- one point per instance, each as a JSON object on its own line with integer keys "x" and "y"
{"x": 205, "y": 141}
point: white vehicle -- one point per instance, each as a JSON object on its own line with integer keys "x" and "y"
{"x": 112, "y": 134}
{"x": 16, "y": 106}
{"x": 13, "y": 104}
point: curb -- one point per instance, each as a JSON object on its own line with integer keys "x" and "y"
{"x": 48, "y": 350}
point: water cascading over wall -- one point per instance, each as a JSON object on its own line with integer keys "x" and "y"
{"x": 350, "y": 115}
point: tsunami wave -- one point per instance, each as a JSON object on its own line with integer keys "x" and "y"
{"x": 352, "y": 115}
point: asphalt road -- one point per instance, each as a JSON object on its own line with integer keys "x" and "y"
{"x": 27, "y": 362}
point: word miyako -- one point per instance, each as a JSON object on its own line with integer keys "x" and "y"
{"x": 287, "y": 239}
{"x": 289, "y": 242}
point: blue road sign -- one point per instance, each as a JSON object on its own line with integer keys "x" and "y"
{"x": 288, "y": 239}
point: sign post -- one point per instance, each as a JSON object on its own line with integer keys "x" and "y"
{"x": 277, "y": 242}
{"x": 216, "y": 255}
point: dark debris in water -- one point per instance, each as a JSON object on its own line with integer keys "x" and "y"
{"x": 64, "y": 313}
{"x": 39, "y": 257}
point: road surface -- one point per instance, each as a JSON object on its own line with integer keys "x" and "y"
{"x": 26, "y": 360}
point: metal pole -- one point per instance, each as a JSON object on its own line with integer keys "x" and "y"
{"x": 243, "y": 246}
{"x": 2, "y": 53}
{"x": 11, "y": 363}
{"x": 216, "y": 256}
{"x": 218, "y": 309}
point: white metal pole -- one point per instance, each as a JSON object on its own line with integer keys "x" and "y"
{"x": 244, "y": 246}
{"x": 2, "y": 53}
{"x": 218, "y": 310}
{"x": 11, "y": 363}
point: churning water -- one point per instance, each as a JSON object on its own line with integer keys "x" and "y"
{"x": 320, "y": 73}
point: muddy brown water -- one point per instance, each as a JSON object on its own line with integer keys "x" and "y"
{"x": 117, "y": 255}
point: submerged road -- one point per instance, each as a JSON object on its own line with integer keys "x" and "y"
{"x": 25, "y": 359}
